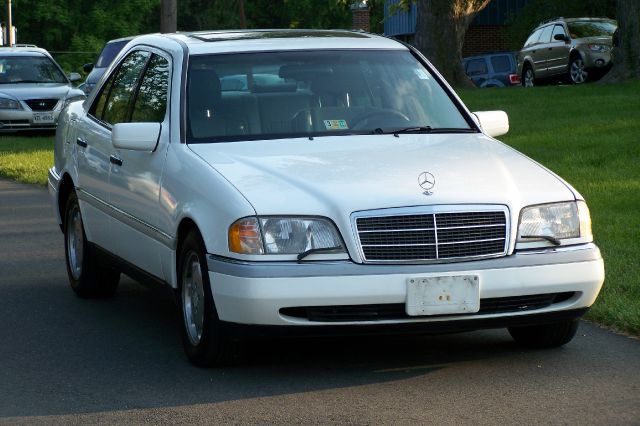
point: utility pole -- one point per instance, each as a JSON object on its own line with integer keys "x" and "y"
{"x": 9, "y": 24}
{"x": 169, "y": 16}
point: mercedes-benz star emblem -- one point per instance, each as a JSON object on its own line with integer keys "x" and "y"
{"x": 426, "y": 181}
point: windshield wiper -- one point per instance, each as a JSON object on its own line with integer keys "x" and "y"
{"x": 422, "y": 129}
{"x": 337, "y": 249}
{"x": 552, "y": 240}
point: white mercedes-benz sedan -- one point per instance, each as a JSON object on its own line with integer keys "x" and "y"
{"x": 313, "y": 182}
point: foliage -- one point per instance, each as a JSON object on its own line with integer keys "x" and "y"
{"x": 538, "y": 11}
{"x": 85, "y": 25}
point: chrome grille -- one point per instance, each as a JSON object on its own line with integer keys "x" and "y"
{"x": 42, "y": 104}
{"x": 432, "y": 236}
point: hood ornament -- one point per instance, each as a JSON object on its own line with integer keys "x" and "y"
{"x": 426, "y": 181}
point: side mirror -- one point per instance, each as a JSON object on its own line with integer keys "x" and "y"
{"x": 136, "y": 136}
{"x": 493, "y": 123}
{"x": 561, "y": 37}
{"x": 87, "y": 67}
{"x": 74, "y": 76}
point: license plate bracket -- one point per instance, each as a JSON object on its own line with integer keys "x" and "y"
{"x": 442, "y": 295}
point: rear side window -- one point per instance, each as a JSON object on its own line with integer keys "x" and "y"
{"x": 476, "y": 67}
{"x": 533, "y": 38}
{"x": 501, "y": 63}
{"x": 151, "y": 100}
{"x": 545, "y": 37}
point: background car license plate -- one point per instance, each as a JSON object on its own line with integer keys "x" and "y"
{"x": 42, "y": 117}
{"x": 443, "y": 295}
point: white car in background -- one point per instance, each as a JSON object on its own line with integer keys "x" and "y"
{"x": 33, "y": 89}
{"x": 345, "y": 189}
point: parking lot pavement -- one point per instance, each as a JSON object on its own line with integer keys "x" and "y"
{"x": 64, "y": 360}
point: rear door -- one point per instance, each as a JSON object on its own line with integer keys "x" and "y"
{"x": 502, "y": 66}
{"x": 543, "y": 52}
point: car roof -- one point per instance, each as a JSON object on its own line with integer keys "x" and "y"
{"x": 23, "y": 51}
{"x": 202, "y": 42}
{"x": 489, "y": 54}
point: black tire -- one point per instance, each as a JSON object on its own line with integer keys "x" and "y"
{"x": 528, "y": 77}
{"x": 88, "y": 279}
{"x": 577, "y": 73}
{"x": 546, "y": 335}
{"x": 204, "y": 340}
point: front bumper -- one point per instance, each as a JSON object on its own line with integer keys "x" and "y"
{"x": 255, "y": 292}
{"x": 597, "y": 60}
{"x": 17, "y": 120}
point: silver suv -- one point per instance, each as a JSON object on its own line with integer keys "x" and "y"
{"x": 576, "y": 49}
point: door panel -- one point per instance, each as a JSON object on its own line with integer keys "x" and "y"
{"x": 559, "y": 55}
{"x": 542, "y": 52}
{"x": 135, "y": 181}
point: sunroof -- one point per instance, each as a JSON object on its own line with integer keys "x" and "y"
{"x": 262, "y": 34}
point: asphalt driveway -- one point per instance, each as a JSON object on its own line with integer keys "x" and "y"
{"x": 66, "y": 360}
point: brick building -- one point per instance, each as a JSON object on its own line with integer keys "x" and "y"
{"x": 487, "y": 32}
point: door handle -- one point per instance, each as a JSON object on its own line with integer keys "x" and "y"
{"x": 115, "y": 160}
{"x": 81, "y": 142}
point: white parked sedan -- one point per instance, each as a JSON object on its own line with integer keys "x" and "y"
{"x": 306, "y": 182}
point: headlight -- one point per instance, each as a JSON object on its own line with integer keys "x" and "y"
{"x": 6, "y": 103}
{"x": 554, "y": 223}
{"x": 73, "y": 99}
{"x": 283, "y": 235}
{"x": 599, "y": 47}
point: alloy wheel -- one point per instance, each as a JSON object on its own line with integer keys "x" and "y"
{"x": 193, "y": 298}
{"x": 529, "y": 78}
{"x": 577, "y": 71}
{"x": 75, "y": 242}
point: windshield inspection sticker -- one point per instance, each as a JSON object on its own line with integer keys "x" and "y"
{"x": 336, "y": 124}
{"x": 421, "y": 74}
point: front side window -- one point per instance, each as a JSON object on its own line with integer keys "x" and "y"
{"x": 274, "y": 95}
{"x": 29, "y": 69}
{"x": 116, "y": 108}
{"x": 557, "y": 30}
{"x": 151, "y": 99}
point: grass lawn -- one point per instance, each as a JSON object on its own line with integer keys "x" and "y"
{"x": 26, "y": 158}
{"x": 590, "y": 135}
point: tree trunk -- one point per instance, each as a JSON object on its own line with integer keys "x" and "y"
{"x": 440, "y": 31}
{"x": 169, "y": 16}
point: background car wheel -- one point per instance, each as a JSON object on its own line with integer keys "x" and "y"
{"x": 577, "y": 72}
{"x": 528, "y": 77}
{"x": 205, "y": 342}
{"x": 546, "y": 335}
{"x": 87, "y": 278}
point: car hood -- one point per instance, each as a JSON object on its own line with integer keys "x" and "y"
{"x": 24, "y": 91}
{"x": 335, "y": 176}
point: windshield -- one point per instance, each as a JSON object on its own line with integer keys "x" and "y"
{"x": 109, "y": 51}
{"x": 253, "y": 96}
{"x": 29, "y": 69}
{"x": 581, "y": 29}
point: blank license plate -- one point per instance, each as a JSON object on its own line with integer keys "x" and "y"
{"x": 42, "y": 117}
{"x": 443, "y": 295}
